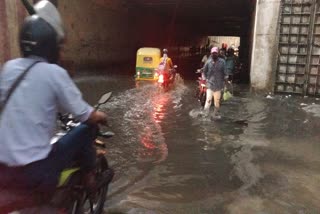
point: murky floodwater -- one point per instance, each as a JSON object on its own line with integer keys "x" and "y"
{"x": 262, "y": 157}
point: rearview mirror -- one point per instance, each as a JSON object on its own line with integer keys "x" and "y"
{"x": 104, "y": 98}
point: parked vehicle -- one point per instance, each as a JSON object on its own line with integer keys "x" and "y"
{"x": 70, "y": 195}
{"x": 147, "y": 61}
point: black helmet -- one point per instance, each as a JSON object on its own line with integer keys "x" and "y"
{"x": 165, "y": 51}
{"x": 38, "y": 38}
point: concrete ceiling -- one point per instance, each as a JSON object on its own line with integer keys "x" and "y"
{"x": 225, "y": 17}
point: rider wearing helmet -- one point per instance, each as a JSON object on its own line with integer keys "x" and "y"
{"x": 166, "y": 60}
{"x": 28, "y": 118}
{"x": 166, "y": 64}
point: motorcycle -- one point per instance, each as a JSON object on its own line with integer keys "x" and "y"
{"x": 166, "y": 77}
{"x": 201, "y": 93}
{"x": 70, "y": 195}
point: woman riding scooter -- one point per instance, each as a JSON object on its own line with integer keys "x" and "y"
{"x": 166, "y": 66}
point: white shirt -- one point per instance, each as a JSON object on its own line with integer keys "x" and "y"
{"x": 28, "y": 121}
{"x": 204, "y": 59}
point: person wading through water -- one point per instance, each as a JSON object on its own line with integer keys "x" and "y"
{"x": 215, "y": 74}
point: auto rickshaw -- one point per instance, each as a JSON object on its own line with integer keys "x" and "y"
{"x": 148, "y": 60}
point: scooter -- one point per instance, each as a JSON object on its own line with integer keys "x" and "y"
{"x": 166, "y": 77}
{"x": 201, "y": 92}
{"x": 70, "y": 196}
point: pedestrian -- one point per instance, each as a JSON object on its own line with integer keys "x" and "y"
{"x": 230, "y": 63}
{"x": 215, "y": 74}
{"x": 222, "y": 54}
{"x": 205, "y": 58}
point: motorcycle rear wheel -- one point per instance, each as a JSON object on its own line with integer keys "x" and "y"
{"x": 94, "y": 205}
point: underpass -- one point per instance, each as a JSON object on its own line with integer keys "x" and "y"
{"x": 104, "y": 33}
{"x": 263, "y": 157}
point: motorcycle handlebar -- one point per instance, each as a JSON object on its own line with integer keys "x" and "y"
{"x": 69, "y": 122}
{"x": 199, "y": 71}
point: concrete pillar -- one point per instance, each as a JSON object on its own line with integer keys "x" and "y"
{"x": 264, "y": 50}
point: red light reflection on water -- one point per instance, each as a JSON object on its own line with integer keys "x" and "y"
{"x": 159, "y": 108}
{"x": 153, "y": 146}
{"x": 151, "y": 150}
{"x": 146, "y": 140}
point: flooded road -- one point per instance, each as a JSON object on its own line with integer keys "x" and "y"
{"x": 262, "y": 157}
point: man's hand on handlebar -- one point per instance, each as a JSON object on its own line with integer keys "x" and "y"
{"x": 97, "y": 117}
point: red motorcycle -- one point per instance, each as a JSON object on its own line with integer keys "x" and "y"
{"x": 166, "y": 77}
{"x": 202, "y": 88}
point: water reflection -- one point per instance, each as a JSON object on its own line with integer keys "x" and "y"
{"x": 253, "y": 135}
{"x": 159, "y": 104}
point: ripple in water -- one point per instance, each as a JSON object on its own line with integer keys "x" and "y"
{"x": 140, "y": 113}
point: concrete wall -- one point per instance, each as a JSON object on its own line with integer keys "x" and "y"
{"x": 264, "y": 50}
{"x": 147, "y": 30}
{"x": 3, "y": 32}
{"x": 12, "y": 14}
{"x": 97, "y": 32}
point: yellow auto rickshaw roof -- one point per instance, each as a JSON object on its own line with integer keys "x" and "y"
{"x": 148, "y": 51}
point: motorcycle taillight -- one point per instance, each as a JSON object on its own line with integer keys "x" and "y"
{"x": 161, "y": 78}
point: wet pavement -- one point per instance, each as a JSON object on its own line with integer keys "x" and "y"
{"x": 263, "y": 156}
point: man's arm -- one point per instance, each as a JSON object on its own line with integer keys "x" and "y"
{"x": 97, "y": 117}
{"x": 70, "y": 99}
